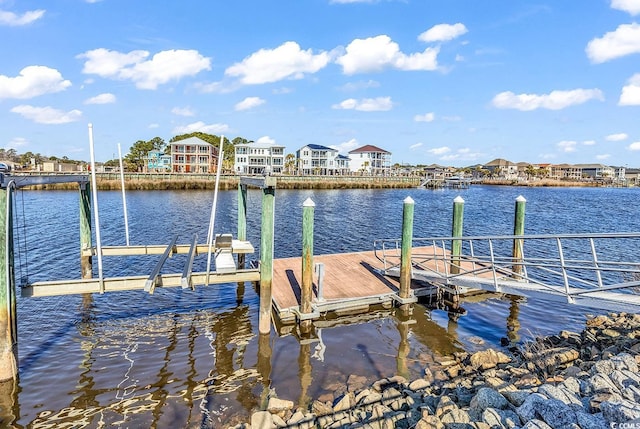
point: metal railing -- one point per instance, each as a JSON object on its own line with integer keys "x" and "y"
{"x": 574, "y": 266}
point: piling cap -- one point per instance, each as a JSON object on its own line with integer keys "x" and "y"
{"x": 308, "y": 203}
{"x": 521, "y": 199}
{"x": 408, "y": 200}
{"x": 458, "y": 199}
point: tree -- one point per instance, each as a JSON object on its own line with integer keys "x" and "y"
{"x": 289, "y": 163}
{"x": 140, "y": 150}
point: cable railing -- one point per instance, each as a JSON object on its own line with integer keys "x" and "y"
{"x": 602, "y": 266}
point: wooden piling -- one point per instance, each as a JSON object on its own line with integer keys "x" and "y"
{"x": 86, "y": 264}
{"x": 242, "y": 218}
{"x": 518, "y": 229}
{"x": 308, "y": 208}
{"x": 456, "y": 231}
{"x": 266, "y": 258}
{"x": 8, "y": 316}
{"x": 407, "y": 244}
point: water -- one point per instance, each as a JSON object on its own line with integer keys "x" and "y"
{"x": 194, "y": 358}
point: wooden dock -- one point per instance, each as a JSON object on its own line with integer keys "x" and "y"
{"x": 352, "y": 283}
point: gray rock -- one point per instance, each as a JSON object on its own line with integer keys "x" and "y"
{"x": 572, "y": 384}
{"x": 262, "y": 420}
{"x": 527, "y": 411}
{"x": 488, "y": 359}
{"x": 419, "y": 384}
{"x": 591, "y": 421}
{"x": 487, "y": 398}
{"x": 632, "y": 393}
{"x": 445, "y": 405}
{"x": 536, "y": 424}
{"x": 500, "y": 418}
{"x": 343, "y": 402}
{"x": 455, "y": 416}
{"x": 556, "y": 413}
{"x": 624, "y": 361}
{"x": 601, "y": 383}
{"x": 516, "y": 397}
{"x": 620, "y": 411}
{"x": 560, "y": 393}
{"x": 429, "y": 422}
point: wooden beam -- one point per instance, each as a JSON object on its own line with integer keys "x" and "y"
{"x": 119, "y": 284}
{"x": 150, "y": 284}
{"x": 259, "y": 182}
{"x": 237, "y": 246}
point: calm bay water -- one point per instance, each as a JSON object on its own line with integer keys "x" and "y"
{"x": 194, "y": 358}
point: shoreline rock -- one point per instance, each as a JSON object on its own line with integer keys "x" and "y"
{"x": 582, "y": 380}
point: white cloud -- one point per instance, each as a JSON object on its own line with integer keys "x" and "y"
{"x": 202, "y": 127}
{"x": 346, "y": 146}
{"x": 630, "y": 6}
{"x": 17, "y": 142}
{"x": 266, "y": 140}
{"x": 249, "y": 103}
{"x": 105, "y": 98}
{"x": 451, "y": 118}
{"x": 13, "y": 20}
{"x": 427, "y": 117}
{"x": 32, "y": 81}
{"x": 439, "y": 150}
{"x": 630, "y": 95}
{"x": 555, "y": 100}
{"x": 443, "y": 33}
{"x": 567, "y": 146}
{"x": 634, "y": 146}
{"x": 163, "y": 67}
{"x": 183, "y": 111}
{"x": 617, "y": 137}
{"x": 356, "y": 86}
{"x": 153, "y": 126}
{"x": 366, "y": 104}
{"x": 376, "y": 53}
{"x": 415, "y": 146}
{"x": 47, "y": 115}
{"x": 287, "y": 61}
{"x": 625, "y": 40}
{"x": 603, "y": 156}
{"x": 589, "y": 142}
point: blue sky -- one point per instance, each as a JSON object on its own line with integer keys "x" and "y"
{"x": 450, "y": 82}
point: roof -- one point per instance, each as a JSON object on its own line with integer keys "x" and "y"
{"x": 368, "y": 148}
{"x": 499, "y": 162}
{"x": 319, "y": 147}
{"x": 191, "y": 141}
{"x": 343, "y": 157}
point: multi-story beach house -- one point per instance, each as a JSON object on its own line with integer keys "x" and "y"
{"x": 597, "y": 171}
{"x": 157, "y": 161}
{"x": 321, "y": 160}
{"x": 193, "y": 155}
{"x": 370, "y": 160}
{"x": 503, "y": 169}
{"x": 258, "y": 158}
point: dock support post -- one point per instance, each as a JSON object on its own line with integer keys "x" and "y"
{"x": 407, "y": 242}
{"x": 86, "y": 264}
{"x": 456, "y": 231}
{"x": 266, "y": 258}
{"x": 8, "y": 313}
{"x": 242, "y": 219}
{"x": 518, "y": 229}
{"x": 308, "y": 208}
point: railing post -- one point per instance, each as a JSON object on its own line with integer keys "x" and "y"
{"x": 266, "y": 258}
{"x": 8, "y": 313}
{"x": 456, "y": 231}
{"x": 407, "y": 241}
{"x": 86, "y": 264}
{"x": 518, "y": 229}
{"x": 308, "y": 208}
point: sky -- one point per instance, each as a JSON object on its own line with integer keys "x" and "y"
{"x": 450, "y": 82}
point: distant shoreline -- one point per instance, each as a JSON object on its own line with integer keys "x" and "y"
{"x": 153, "y": 181}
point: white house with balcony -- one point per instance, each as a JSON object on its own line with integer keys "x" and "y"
{"x": 321, "y": 160}
{"x": 258, "y": 158}
{"x": 370, "y": 160}
{"x": 193, "y": 155}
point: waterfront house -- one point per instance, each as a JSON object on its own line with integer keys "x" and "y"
{"x": 157, "y": 161}
{"x": 565, "y": 172}
{"x": 502, "y": 169}
{"x": 321, "y": 160}
{"x": 193, "y": 155}
{"x": 597, "y": 171}
{"x": 370, "y": 160}
{"x": 258, "y": 158}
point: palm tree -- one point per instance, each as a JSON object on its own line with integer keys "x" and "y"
{"x": 289, "y": 163}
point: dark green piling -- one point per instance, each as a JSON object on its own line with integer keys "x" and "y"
{"x": 8, "y": 315}
{"x": 456, "y": 231}
{"x": 266, "y": 258}
{"x": 308, "y": 208}
{"x": 518, "y": 229}
{"x": 407, "y": 244}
